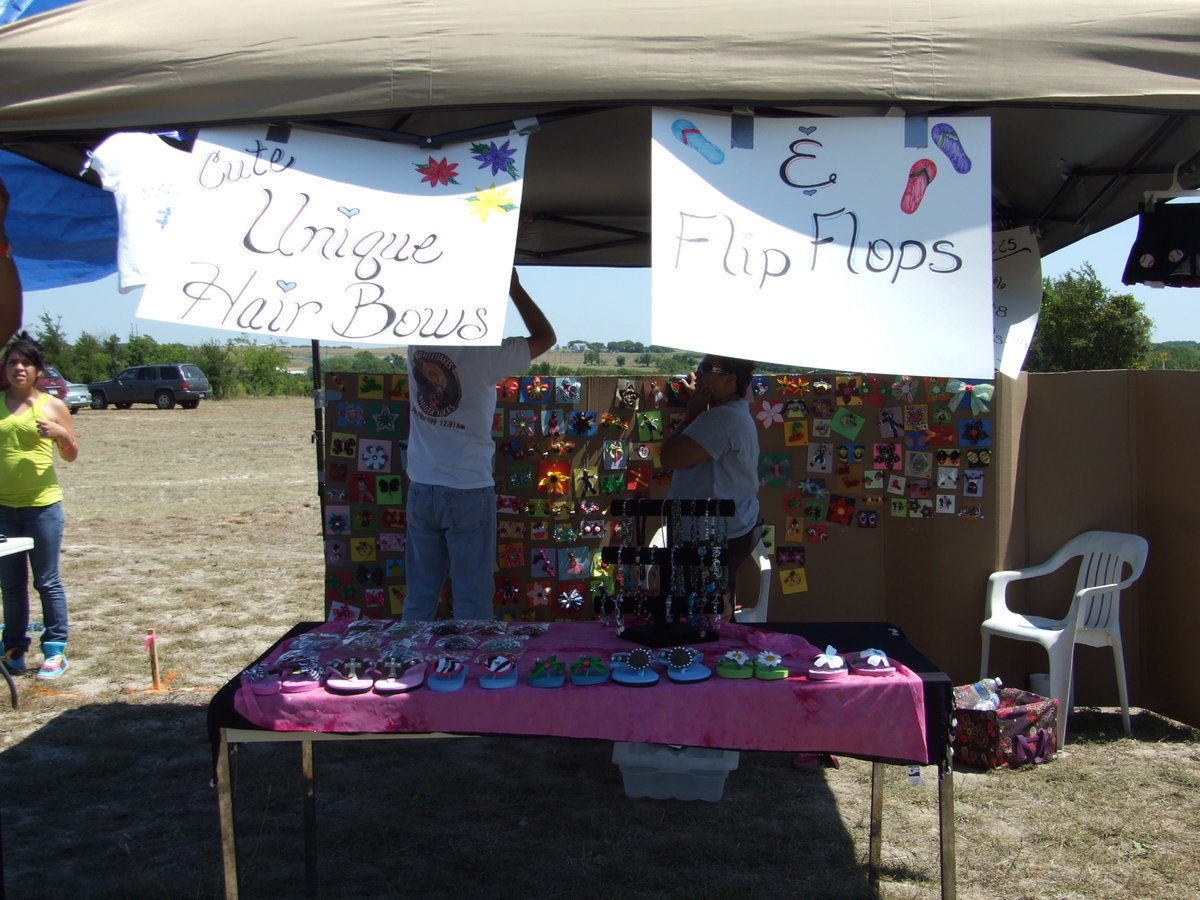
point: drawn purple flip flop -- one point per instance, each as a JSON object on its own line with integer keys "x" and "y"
{"x": 947, "y": 140}
{"x": 920, "y": 176}
{"x": 689, "y": 134}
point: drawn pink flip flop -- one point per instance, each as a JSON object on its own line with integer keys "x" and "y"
{"x": 920, "y": 176}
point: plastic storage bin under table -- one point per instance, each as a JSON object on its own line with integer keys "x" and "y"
{"x": 665, "y": 772}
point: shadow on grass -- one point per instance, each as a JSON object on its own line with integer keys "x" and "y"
{"x": 521, "y": 817}
{"x": 115, "y": 800}
{"x": 1090, "y": 724}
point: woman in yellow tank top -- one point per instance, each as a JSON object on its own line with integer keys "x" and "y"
{"x": 32, "y": 425}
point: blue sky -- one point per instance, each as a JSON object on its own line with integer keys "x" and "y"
{"x": 605, "y": 304}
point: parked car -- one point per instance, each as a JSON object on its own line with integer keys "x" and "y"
{"x": 52, "y": 382}
{"x": 164, "y": 385}
{"x": 78, "y": 396}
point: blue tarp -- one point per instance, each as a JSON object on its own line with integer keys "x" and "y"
{"x": 63, "y": 231}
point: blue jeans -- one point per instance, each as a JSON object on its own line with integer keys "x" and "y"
{"x": 45, "y": 525}
{"x": 455, "y": 527}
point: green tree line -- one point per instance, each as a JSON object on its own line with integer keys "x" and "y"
{"x": 1082, "y": 325}
{"x": 236, "y": 368}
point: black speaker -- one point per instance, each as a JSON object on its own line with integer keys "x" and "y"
{"x": 1167, "y": 249}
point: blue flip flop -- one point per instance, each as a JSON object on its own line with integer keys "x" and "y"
{"x": 588, "y": 670}
{"x": 632, "y": 668}
{"x": 500, "y": 671}
{"x": 683, "y": 665}
{"x": 448, "y": 674}
{"x": 548, "y": 673}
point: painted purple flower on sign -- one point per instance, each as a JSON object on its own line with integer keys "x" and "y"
{"x": 499, "y": 159}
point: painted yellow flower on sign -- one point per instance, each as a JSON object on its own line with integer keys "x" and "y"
{"x": 486, "y": 201}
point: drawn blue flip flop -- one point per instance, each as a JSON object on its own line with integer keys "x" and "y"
{"x": 687, "y": 133}
{"x": 947, "y": 140}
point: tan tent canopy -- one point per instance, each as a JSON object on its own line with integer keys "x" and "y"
{"x": 1092, "y": 103}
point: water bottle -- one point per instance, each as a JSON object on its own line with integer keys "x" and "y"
{"x": 986, "y": 693}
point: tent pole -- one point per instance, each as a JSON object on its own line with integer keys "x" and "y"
{"x": 318, "y": 435}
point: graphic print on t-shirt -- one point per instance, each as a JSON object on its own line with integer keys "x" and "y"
{"x": 438, "y": 388}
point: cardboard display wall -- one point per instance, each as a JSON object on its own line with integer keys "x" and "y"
{"x": 861, "y": 476}
{"x": 1107, "y": 451}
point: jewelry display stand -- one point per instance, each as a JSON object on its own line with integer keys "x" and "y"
{"x": 691, "y": 571}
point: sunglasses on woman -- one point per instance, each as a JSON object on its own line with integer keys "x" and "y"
{"x": 706, "y": 368}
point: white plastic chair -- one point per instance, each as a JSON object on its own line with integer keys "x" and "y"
{"x": 758, "y": 612}
{"x": 1094, "y": 617}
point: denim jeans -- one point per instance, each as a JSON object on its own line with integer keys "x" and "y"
{"x": 455, "y": 527}
{"x": 45, "y": 525}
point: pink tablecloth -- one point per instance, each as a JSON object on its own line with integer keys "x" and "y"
{"x": 880, "y": 717}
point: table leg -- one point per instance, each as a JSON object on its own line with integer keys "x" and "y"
{"x": 875, "y": 852}
{"x": 310, "y": 817}
{"x": 946, "y": 828}
{"x": 225, "y": 808}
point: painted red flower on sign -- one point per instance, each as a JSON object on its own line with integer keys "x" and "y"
{"x": 438, "y": 172}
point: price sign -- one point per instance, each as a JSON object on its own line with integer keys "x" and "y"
{"x": 1016, "y": 296}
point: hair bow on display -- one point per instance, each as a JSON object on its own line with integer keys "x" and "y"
{"x": 554, "y": 482}
{"x": 772, "y": 470}
{"x": 508, "y": 389}
{"x": 829, "y": 659}
{"x": 770, "y": 413}
{"x": 980, "y": 394}
{"x": 791, "y": 385}
{"x": 537, "y": 388}
{"x": 937, "y": 390}
{"x": 582, "y": 422}
{"x": 542, "y": 558}
{"x": 906, "y": 388}
{"x": 524, "y": 421}
{"x": 568, "y": 389}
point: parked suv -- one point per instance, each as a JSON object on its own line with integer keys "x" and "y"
{"x": 164, "y": 385}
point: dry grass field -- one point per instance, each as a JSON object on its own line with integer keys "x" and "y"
{"x": 204, "y": 527}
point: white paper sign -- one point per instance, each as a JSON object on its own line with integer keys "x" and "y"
{"x": 830, "y": 244}
{"x": 340, "y": 239}
{"x": 1016, "y": 296}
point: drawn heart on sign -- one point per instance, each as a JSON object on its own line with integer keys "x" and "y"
{"x": 286, "y": 286}
{"x": 348, "y": 212}
{"x": 809, "y": 192}
{"x": 806, "y": 129}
